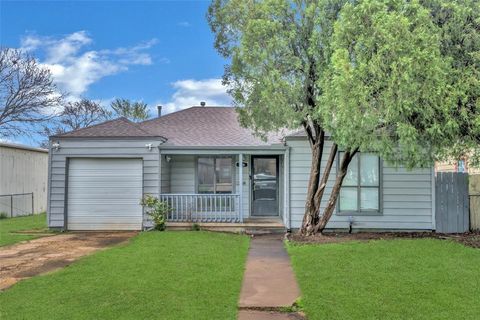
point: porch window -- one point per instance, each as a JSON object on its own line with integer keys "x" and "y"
{"x": 215, "y": 175}
{"x": 360, "y": 190}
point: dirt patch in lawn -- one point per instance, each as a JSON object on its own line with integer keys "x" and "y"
{"x": 39, "y": 256}
{"x": 471, "y": 239}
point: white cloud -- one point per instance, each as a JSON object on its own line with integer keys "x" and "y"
{"x": 74, "y": 68}
{"x": 191, "y": 92}
{"x": 10, "y": 141}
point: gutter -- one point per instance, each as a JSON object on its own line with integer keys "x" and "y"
{"x": 266, "y": 147}
{"x": 22, "y": 147}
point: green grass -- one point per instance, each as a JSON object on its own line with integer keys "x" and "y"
{"x": 391, "y": 279}
{"x": 9, "y": 226}
{"x": 158, "y": 275}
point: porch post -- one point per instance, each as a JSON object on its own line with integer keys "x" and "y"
{"x": 159, "y": 172}
{"x": 240, "y": 186}
{"x": 286, "y": 189}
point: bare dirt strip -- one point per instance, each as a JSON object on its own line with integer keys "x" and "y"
{"x": 39, "y": 256}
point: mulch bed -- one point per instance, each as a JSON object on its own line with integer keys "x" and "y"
{"x": 471, "y": 239}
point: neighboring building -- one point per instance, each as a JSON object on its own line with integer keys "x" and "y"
{"x": 214, "y": 172}
{"x": 23, "y": 170}
{"x": 461, "y": 165}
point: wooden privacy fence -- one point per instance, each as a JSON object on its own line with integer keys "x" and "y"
{"x": 474, "y": 189}
{"x": 451, "y": 202}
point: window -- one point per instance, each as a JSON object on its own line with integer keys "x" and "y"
{"x": 214, "y": 175}
{"x": 360, "y": 190}
{"x": 461, "y": 167}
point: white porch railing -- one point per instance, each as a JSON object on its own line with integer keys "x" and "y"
{"x": 203, "y": 207}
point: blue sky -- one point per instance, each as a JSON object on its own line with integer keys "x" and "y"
{"x": 160, "y": 52}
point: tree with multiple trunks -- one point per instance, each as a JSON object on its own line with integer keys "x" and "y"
{"x": 75, "y": 115}
{"x": 370, "y": 73}
{"x": 28, "y": 95}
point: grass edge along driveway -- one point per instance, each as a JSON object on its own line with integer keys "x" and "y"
{"x": 388, "y": 279}
{"x": 158, "y": 275}
{"x": 9, "y": 227}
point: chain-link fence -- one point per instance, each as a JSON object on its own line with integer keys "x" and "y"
{"x": 16, "y": 205}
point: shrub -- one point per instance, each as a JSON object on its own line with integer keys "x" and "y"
{"x": 195, "y": 227}
{"x": 156, "y": 209}
{"x": 3, "y": 215}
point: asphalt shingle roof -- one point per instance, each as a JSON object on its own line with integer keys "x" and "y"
{"x": 121, "y": 127}
{"x": 206, "y": 126}
{"x": 195, "y": 126}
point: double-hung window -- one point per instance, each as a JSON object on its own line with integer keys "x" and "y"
{"x": 214, "y": 175}
{"x": 360, "y": 192}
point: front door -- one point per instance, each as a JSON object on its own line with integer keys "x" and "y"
{"x": 265, "y": 186}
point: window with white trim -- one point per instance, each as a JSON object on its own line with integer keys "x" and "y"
{"x": 360, "y": 190}
{"x": 214, "y": 174}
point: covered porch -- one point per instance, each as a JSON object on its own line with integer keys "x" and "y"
{"x": 224, "y": 186}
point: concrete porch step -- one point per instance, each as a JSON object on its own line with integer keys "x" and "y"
{"x": 249, "y": 226}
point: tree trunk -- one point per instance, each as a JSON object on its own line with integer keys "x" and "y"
{"x": 332, "y": 201}
{"x": 326, "y": 174}
{"x": 311, "y": 216}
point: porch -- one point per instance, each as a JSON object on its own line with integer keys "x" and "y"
{"x": 225, "y": 188}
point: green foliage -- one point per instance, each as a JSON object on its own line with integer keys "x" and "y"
{"x": 388, "y": 279}
{"x": 196, "y": 227}
{"x": 459, "y": 25}
{"x": 135, "y": 111}
{"x": 401, "y": 78}
{"x": 278, "y": 50}
{"x": 158, "y": 210}
{"x": 385, "y": 89}
{"x": 3, "y": 215}
{"x": 157, "y": 275}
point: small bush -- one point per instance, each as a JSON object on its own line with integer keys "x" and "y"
{"x": 3, "y": 215}
{"x": 158, "y": 210}
{"x": 195, "y": 227}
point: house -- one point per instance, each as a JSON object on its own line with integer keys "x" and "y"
{"x": 23, "y": 179}
{"x": 462, "y": 165}
{"x": 213, "y": 172}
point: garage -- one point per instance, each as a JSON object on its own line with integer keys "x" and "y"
{"x": 104, "y": 194}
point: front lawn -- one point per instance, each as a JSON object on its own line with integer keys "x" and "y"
{"x": 9, "y": 226}
{"x": 158, "y": 275}
{"x": 389, "y": 279}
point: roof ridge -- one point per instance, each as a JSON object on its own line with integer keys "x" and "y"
{"x": 137, "y": 125}
{"x": 186, "y": 109}
{"x": 124, "y": 120}
{"x": 167, "y": 115}
{"x": 92, "y": 126}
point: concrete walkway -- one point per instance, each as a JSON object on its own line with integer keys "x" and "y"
{"x": 269, "y": 281}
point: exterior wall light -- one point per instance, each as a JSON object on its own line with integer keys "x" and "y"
{"x": 56, "y": 146}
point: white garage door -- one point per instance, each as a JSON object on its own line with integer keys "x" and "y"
{"x": 104, "y": 194}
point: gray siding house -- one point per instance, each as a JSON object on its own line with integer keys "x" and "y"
{"x": 213, "y": 172}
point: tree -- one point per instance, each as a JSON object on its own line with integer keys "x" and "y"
{"x": 385, "y": 89}
{"x": 27, "y": 93}
{"x": 75, "y": 115}
{"x": 459, "y": 24}
{"x": 135, "y": 111}
{"x": 285, "y": 54}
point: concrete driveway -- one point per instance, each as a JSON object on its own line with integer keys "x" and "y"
{"x": 39, "y": 256}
